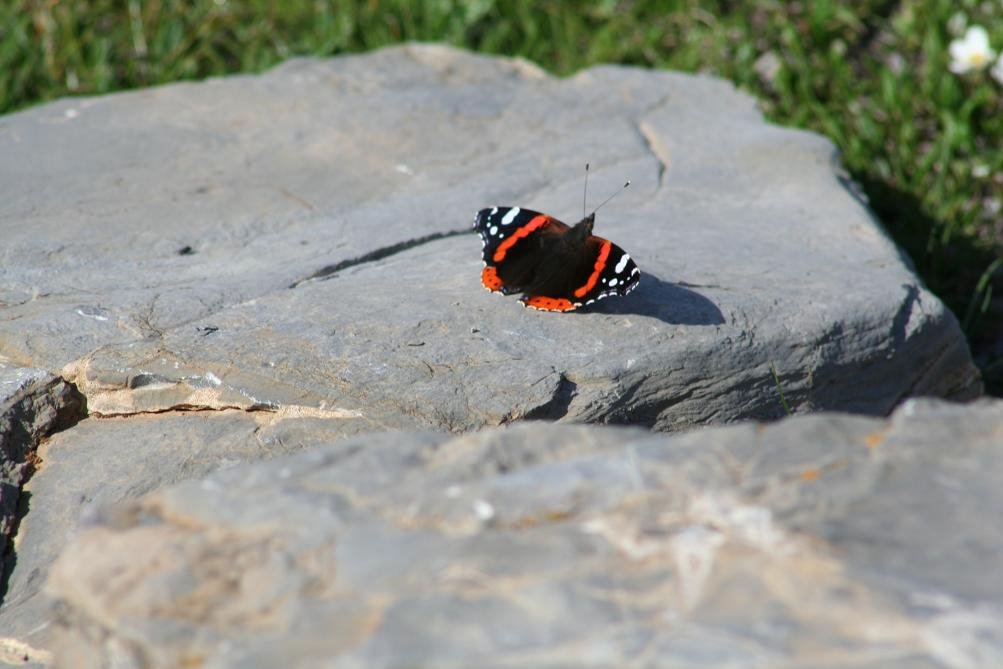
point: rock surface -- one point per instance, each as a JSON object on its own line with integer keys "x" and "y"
{"x": 33, "y": 403}
{"x": 827, "y": 540}
{"x": 229, "y": 270}
{"x": 101, "y": 461}
{"x": 352, "y": 179}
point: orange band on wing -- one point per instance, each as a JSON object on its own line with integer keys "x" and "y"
{"x": 599, "y": 267}
{"x": 534, "y": 223}
{"x": 490, "y": 279}
{"x": 549, "y": 303}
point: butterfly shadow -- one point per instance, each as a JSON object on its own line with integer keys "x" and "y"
{"x": 672, "y": 303}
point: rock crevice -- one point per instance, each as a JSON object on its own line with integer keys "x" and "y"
{"x": 34, "y": 405}
{"x": 379, "y": 254}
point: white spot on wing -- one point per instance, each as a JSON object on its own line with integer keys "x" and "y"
{"x": 620, "y": 266}
{"x": 612, "y": 282}
{"x": 493, "y": 230}
{"x": 510, "y": 216}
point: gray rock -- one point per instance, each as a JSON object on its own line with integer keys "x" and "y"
{"x": 106, "y": 460}
{"x": 352, "y": 179}
{"x": 289, "y": 254}
{"x": 827, "y": 540}
{"x": 33, "y": 403}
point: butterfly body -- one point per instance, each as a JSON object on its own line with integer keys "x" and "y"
{"x": 557, "y": 267}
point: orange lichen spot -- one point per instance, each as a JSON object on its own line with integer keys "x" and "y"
{"x": 549, "y": 303}
{"x": 874, "y": 439}
{"x": 547, "y": 517}
{"x": 811, "y": 474}
{"x": 535, "y": 223}
{"x": 597, "y": 270}
{"x": 490, "y": 279}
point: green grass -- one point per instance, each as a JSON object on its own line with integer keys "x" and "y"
{"x": 926, "y": 145}
{"x": 780, "y": 390}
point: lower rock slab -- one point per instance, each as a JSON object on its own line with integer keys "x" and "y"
{"x": 820, "y": 541}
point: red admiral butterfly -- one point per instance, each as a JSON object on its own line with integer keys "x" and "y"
{"x": 557, "y": 267}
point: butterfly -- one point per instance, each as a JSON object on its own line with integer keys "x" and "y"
{"x": 557, "y": 267}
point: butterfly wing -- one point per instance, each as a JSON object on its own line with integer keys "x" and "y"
{"x": 512, "y": 238}
{"x": 604, "y": 269}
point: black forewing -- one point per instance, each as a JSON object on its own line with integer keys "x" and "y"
{"x": 619, "y": 276}
{"x": 497, "y": 224}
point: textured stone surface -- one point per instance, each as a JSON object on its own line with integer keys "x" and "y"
{"x": 289, "y": 256}
{"x": 33, "y": 403}
{"x": 105, "y": 460}
{"x": 204, "y": 203}
{"x": 822, "y": 541}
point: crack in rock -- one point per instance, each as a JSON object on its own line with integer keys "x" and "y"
{"x": 151, "y": 393}
{"x": 657, "y": 149}
{"x": 274, "y": 413}
{"x": 157, "y": 392}
{"x": 39, "y": 405}
{"x": 559, "y": 404}
{"x": 378, "y": 254}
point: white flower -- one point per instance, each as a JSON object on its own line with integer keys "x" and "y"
{"x": 997, "y": 70}
{"x": 956, "y": 24}
{"x": 971, "y": 52}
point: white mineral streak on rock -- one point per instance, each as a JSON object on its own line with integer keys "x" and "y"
{"x": 963, "y": 638}
{"x": 693, "y": 550}
{"x": 750, "y": 524}
{"x": 484, "y": 510}
{"x": 15, "y": 652}
{"x": 626, "y": 539}
{"x": 87, "y": 314}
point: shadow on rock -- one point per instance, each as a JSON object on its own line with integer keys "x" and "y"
{"x": 8, "y": 560}
{"x": 673, "y": 303}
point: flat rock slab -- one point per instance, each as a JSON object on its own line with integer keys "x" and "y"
{"x": 300, "y": 241}
{"x": 101, "y": 461}
{"x": 820, "y": 541}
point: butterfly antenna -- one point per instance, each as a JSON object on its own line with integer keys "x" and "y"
{"x": 611, "y": 197}
{"x": 585, "y": 195}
